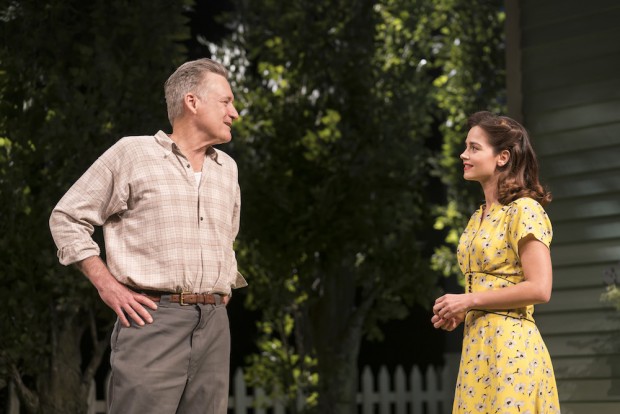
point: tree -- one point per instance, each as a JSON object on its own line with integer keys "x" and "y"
{"x": 74, "y": 77}
{"x": 338, "y": 102}
{"x": 472, "y": 78}
{"x": 333, "y": 172}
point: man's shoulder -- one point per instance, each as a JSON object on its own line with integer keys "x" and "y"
{"x": 131, "y": 145}
{"x": 135, "y": 141}
{"x": 129, "y": 148}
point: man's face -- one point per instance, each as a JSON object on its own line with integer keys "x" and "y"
{"x": 215, "y": 110}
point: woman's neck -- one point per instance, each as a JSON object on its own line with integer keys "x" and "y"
{"x": 490, "y": 192}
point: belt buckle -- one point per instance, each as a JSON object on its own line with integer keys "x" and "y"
{"x": 181, "y": 302}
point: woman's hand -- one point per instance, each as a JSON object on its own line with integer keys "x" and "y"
{"x": 450, "y": 305}
{"x": 450, "y": 310}
{"x": 447, "y": 324}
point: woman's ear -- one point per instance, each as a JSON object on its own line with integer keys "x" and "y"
{"x": 503, "y": 159}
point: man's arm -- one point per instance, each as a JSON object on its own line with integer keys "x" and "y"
{"x": 119, "y": 298}
{"x": 98, "y": 194}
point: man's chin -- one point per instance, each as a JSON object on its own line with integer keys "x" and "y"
{"x": 224, "y": 140}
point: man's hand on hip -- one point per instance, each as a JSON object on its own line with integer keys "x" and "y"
{"x": 119, "y": 298}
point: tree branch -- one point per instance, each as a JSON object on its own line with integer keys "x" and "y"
{"x": 99, "y": 348}
{"x": 25, "y": 394}
{"x": 358, "y": 316}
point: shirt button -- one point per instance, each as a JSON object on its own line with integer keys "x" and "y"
{"x": 201, "y": 218}
{"x": 187, "y": 165}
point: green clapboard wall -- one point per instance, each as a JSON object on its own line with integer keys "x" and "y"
{"x": 564, "y": 84}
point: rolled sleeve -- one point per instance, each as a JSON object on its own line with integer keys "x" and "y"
{"x": 88, "y": 203}
{"x": 239, "y": 281}
{"x": 77, "y": 252}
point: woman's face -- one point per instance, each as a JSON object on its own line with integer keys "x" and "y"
{"x": 479, "y": 159}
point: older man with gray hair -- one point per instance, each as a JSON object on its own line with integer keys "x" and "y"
{"x": 169, "y": 207}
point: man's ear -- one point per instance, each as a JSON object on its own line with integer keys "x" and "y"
{"x": 190, "y": 101}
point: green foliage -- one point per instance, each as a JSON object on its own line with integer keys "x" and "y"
{"x": 611, "y": 296}
{"x": 339, "y": 101}
{"x": 472, "y": 77}
{"x": 279, "y": 367}
{"x": 343, "y": 176}
{"x": 74, "y": 77}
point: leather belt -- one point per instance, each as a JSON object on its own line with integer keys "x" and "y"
{"x": 188, "y": 298}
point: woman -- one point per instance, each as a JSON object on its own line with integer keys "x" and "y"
{"x": 504, "y": 255}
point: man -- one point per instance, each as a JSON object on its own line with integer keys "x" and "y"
{"x": 169, "y": 206}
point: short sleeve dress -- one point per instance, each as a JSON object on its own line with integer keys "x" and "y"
{"x": 505, "y": 366}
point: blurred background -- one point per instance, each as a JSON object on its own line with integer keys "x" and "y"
{"x": 352, "y": 118}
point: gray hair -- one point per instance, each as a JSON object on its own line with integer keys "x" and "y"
{"x": 188, "y": 78}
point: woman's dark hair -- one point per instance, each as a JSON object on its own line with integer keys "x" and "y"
{"x": 519, "y": 176}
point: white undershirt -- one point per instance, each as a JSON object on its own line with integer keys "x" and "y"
{"x": 197, "y": 175}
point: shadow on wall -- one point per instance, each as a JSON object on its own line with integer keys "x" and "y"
{"x": 586, "y": 359}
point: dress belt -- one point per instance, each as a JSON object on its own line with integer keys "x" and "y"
{"x": 507, "y": 314}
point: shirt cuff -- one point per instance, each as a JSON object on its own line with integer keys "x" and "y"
{"x": 239, "y": 281}
{"x": 77, "y": 252}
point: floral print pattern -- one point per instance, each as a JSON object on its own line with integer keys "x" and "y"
{"x": 505, "y": 366}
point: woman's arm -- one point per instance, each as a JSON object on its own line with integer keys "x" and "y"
{"x": 535, "y": 288}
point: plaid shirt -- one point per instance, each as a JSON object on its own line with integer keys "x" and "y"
{"x": 162, "y": 231}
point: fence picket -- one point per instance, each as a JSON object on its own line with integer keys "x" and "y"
{"x": 240, "y": 401}
{"x": 260, "y": 401}
{"x": 432, "y": 394}
{"x": 367, "y": 392}
{"x": 447, "y": 382}
{"x": 416, "y": 393}
{"x": 400, "y": 390}
{"x": 385, "y": 396}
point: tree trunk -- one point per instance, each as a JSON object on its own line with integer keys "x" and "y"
{"x": 62, "y": 389}
{"x": 64, "y": 386}
{"x": 337, "y": 324}
{"x": 338, "y": 380}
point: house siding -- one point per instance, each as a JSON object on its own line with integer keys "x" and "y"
{"x": 568, "y": 78}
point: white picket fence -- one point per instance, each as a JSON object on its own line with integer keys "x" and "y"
{"x": 431, "y": 393}
{"x": 381, "y": 393}
{"x": 397, "y": 393}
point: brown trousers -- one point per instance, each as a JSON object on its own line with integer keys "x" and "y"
{"x": 178, "y": 364}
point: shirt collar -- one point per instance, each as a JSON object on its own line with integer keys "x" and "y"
{"x": 165, "y": 142}
{"x": 171, "y": 147}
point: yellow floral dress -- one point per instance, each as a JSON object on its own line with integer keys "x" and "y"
{"x": 505, "y": 366}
